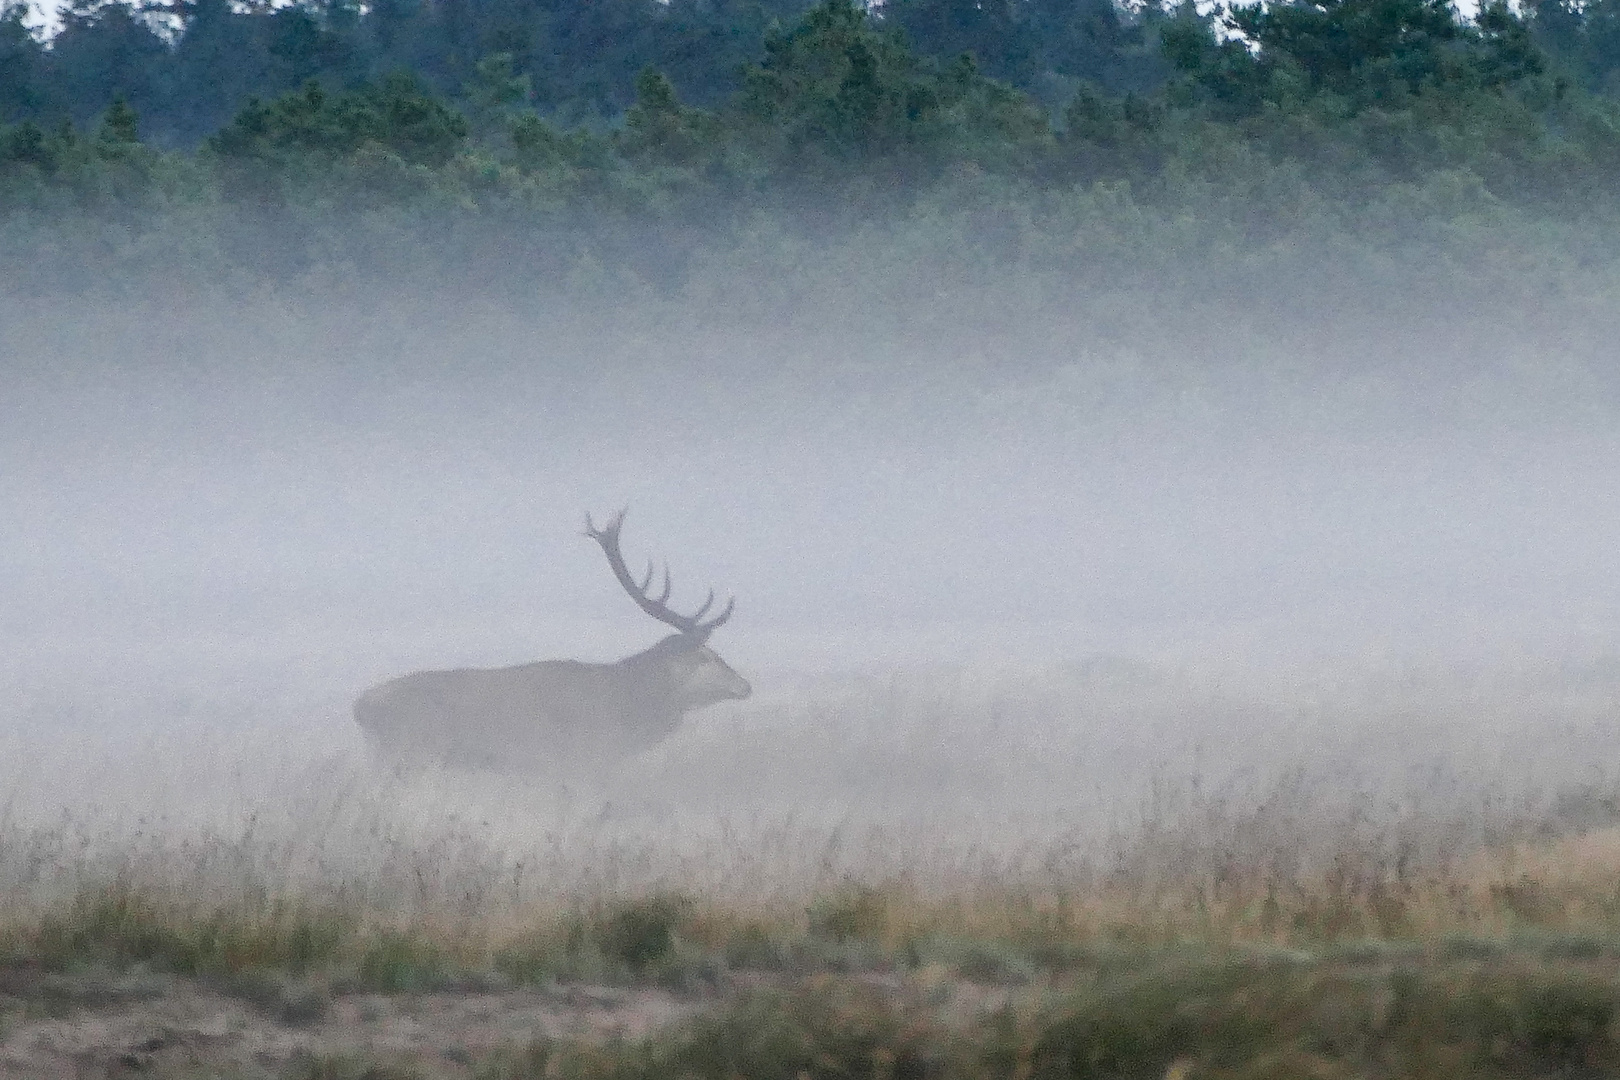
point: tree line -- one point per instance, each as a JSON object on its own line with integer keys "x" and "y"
{"x": 693, "y": 112}
{"x": 187, "y": 66}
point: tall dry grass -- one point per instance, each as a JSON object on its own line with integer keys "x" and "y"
{"x": 869, "y": 816}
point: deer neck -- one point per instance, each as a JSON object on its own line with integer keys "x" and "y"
{"x": 657, "y": 664}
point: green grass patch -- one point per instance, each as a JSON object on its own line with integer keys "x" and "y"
{"x": 1535, "y": 1002}
{"x": 1233, "y": 1017}
{"x": 119, "y": 924}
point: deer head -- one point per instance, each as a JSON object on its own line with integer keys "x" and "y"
{"x": 697, "y": 676}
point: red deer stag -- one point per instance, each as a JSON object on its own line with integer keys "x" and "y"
{"x": 558, "y": 716}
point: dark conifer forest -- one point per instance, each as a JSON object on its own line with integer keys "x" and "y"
{"x": 638, "y": 139}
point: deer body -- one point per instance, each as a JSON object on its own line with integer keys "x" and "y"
{"x": 555, "y": 716}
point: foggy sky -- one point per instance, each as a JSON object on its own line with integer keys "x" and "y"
{"x": 349, "y": 494}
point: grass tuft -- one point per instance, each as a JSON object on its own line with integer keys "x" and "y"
{"x": 641, "y": 933}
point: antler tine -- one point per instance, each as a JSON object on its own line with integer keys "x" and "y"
{"x": 708, "y": 603}
{"x": 609, "y": 530}
{"x": 691, "y": 625}
{"x": 710, "y": 626}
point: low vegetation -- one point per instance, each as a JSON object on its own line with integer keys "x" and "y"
{"x": 1502, "y": 960}
{"x": 1549, "y": 899}
{"x": 1184, "y": 1016}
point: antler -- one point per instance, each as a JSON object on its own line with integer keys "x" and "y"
{"x": 691, "y": 625}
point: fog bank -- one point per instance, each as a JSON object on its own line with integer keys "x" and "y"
{"x": 1011, "y": 580}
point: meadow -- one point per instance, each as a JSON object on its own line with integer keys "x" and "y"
{"x": 1110, "y": 868}
{"x": 1174, "y": 688}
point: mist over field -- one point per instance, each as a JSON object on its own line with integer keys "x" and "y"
{"x": 1021, "y": 591}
